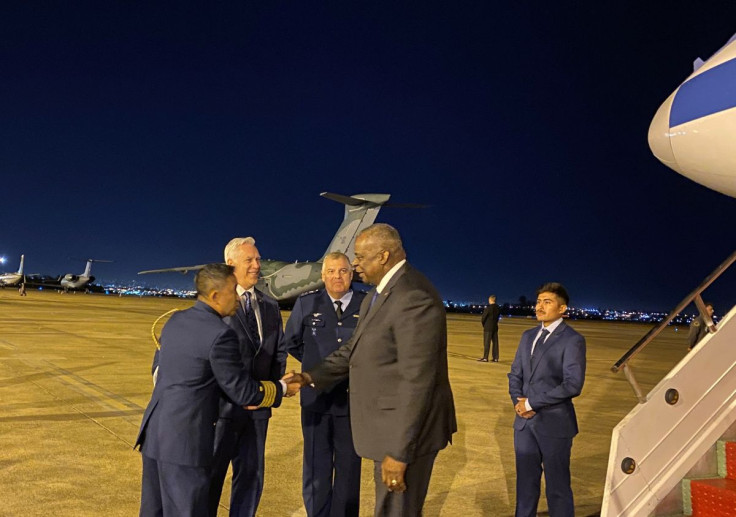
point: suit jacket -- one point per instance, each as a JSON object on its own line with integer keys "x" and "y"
{"x": 266, "y": 362}
{"x": 490, "y": 316}
{"x": 550, "y": 380}
{"x": 198, "y": 361}
{"x": 401, "y": 403}
{"x": 312, "y": 333}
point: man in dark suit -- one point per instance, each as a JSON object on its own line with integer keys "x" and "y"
{"x": 489, "y": 320}
{"x": 320, "y": 323}
{"x": 199, "y": 359}
{"x": 240, "y": 435}
{"x": 401, "y": 407}
{"x": 547, "y": 373}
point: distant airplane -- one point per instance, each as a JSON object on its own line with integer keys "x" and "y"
{"x": 693, "y": 131}
{"x": 287, "y": 280}
{"x": 9, "y": 279}
{"x": 72, "y": 281}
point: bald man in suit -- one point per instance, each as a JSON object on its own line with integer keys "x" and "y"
{"x": 401, "y": 405}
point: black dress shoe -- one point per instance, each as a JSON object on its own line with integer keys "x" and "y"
{"x": 482, "y": 360}
{"x": 495, "y": 360}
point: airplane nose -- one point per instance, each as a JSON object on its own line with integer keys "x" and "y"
{"x": 659, "y": 136}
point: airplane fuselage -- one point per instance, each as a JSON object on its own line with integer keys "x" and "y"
{"x": 693, "y": 131}
{"x": 9, "y": 279}
{"x": 286, "y": 280}
{"x": 75, "y": 281}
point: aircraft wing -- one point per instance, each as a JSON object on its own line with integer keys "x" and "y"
{"x": 182, "y": 270}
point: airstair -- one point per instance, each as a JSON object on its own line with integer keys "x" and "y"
{"x": 675, "y": 452}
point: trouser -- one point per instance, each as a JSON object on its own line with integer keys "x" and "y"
{"x": 170, "y": 490}
{"x": 243, "y": 443}
{"x": 488, "y": 336}
{"x": 410, "y": 502}
{"x": 536, "y": 454}
{"x": 331, "y": 468}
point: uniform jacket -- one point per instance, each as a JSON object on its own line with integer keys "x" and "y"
{"x": 698, "y": 330}
{"x": 312, "y": 333}
{"x": 550, "y": 380}
{"x": 401, "y": 403}
{"x": 266, "y": 362}
{"x": 198, "y": 361}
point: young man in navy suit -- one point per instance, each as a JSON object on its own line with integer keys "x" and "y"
{"x": 547, "y": 373}
{"x": 198, "y": 361}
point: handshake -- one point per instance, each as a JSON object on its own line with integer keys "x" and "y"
{"x": 295, "y": 381}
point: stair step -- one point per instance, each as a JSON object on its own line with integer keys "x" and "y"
{"x": 713, "y": 497}
{"x": 731, "y": 460}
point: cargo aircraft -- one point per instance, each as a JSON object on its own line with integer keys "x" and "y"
{"x": 284, "y": 281}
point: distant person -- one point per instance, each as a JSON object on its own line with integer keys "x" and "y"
{"x": 199, "y": 359}
{"x": 489, "y": 320}
{"x": 22, "y": 289}
{"x": 240, "y": 435}
{"x": 547, "y": 373}
{"x": 401, "y": 407}
{"x": 320, "y": 323}
{"x": 699, "y": 328}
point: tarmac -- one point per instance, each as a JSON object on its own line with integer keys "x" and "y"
{"x": 75, "y": 377}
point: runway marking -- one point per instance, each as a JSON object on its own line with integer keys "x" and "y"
{"x": 119, "y": 406}
{"x": 7, "y": 346}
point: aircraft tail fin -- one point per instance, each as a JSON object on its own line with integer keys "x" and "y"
{"x": 360, "y": 212}
{"x": 88, "y": 267}
{"x": 20, "y": 269}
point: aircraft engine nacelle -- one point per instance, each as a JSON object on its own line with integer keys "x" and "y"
{"x": 91, "y": 279}
{"x": 70, "y": 278}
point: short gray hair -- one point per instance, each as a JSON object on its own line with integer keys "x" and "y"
{"x": 386, "y": 236}
{"x": 334, "y": 255}
{"x": 235, "y": 243}
{"x": 212, "y": 277}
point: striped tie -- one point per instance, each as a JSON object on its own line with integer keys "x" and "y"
{"x": 251, "y": 321}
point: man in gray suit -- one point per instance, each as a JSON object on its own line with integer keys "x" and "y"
{"x": 401, "y": 406}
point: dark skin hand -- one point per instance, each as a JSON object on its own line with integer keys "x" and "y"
{"x": 392, "y": 474}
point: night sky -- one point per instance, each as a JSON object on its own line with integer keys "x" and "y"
{"x": 151, "y": 133}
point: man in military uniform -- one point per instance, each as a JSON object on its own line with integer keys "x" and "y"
{"x": 699, "y": 328}
{"x": 198, "y": 361}
{"x": 320, "y": 323}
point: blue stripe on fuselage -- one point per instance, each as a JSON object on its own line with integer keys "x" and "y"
{"x": 705, "y": 94}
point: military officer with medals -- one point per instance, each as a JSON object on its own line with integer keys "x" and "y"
{"x": 320, "y": 323}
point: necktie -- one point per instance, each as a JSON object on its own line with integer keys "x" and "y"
{"x": 375, "y": 295}
{"x": 338, "y": 309}
{"x": 250, "y": 320}
{"x": 540, "y": 339}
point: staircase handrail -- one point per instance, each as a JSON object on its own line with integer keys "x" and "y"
{"x": 695, "y": 295}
